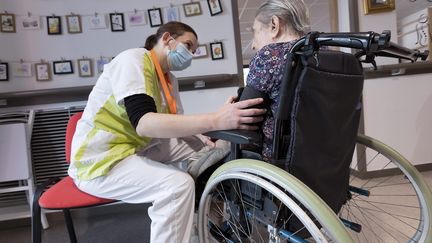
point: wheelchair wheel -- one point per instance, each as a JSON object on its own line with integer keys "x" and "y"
{"x": 394, "y": 208}
{"x": 252, "y": 201}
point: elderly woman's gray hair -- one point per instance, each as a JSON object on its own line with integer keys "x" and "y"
{"x": 293, "y": 14}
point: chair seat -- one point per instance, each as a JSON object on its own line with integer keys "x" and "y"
{"x": 65, "y": 194}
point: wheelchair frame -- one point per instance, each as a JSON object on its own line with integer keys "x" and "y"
{"x": 301, "y": 200}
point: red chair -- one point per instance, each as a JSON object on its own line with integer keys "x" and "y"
{"x": 63, "y": 195}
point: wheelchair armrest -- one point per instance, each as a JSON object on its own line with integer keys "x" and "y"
{"x": 237, "y": 136}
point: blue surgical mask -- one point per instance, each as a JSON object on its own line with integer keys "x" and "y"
{"x": 180, "y": 58}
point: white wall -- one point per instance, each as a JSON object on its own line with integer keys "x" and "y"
{"x": 33, "y": 45}
{"x": 398, "y": 111}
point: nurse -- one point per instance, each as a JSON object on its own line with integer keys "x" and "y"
{"x": 132, "y": 136}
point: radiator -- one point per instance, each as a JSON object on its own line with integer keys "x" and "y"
{"x": 47, "y": 150}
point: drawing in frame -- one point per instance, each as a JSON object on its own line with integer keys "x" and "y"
{"x": 201, "y": 51}
{"x": 54, "y": 25}
{"x": 172, "y": 14}
{"x": 136, "y": 18}
{"x": 62, "y": 67}
{"x": 4, "y": 71}
{"x": 30, "y": 23}
{"x": 192, "y": 9}
{"x": 100, "y": 63}
{"x": 73, "y": 24}
{"x": 43, "y": 71}
{"x": 98, "y": 21}
{"x": 7, "y": 23}
{"x": 216, "y": 49}
{"x": 215, "y": 7}
{"x": 117, "y": 22}
{"x": 22, "y": 69}
{"x": 377, "y": 6}
{"x": 85, "y": 67}
{"x": 155, "y": 17}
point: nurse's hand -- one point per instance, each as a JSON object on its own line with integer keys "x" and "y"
{"x": 238, "y": 115}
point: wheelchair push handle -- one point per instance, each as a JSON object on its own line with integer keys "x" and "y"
{"x": 370, "y": 44}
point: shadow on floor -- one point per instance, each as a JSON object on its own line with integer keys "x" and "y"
{"x": 116, "y": 223}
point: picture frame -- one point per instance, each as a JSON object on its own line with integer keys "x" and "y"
{"x": 98, "y": 21}
{"x": 137, "y": 18}
{"x": 43, "y": 71}
{"x": 172, "y": 14}
{"x": 85, "y": 67}
{"x": 101, "y": 62}
{"x": 4, "y": 71}
{"x": 30, "y": 23}
{"x": 117, "y": 22}
{"x": 7, "y": 23}
{"x": 215, "y": 7}
{"x": 192, "y": 9}
{"x": 201, "y": 51}
{"x": 73, "y": 24}
{"x": 54, "y": 25}
{"x": 216, "y": 50}
{"x": 63, "y": 67}
{"x": 22, "y": 69}
{"x": 155, "y": 17}
{"x": 377, "y": 6}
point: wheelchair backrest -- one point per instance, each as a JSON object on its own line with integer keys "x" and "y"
{"x": 318, "y": 130}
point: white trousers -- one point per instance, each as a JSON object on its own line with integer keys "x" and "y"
{"x": 155, "y": 176}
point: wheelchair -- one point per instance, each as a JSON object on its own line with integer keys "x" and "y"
{"x": 314, "y": 189}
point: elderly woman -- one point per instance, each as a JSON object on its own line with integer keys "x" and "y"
{"x": 278, "y": 24}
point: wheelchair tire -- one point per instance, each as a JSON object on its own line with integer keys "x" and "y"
{"x": 253, "y": 215}
{"x": 377, "y": 204}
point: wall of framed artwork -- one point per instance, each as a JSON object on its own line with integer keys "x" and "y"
{"x": 96, "y": 38}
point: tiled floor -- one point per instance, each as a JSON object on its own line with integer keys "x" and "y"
{"x": 109, "y": 224}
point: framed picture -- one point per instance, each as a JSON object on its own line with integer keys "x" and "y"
{"x": 172, "y": 14}
{"x": 7, "y": 21}
{"x": 100, "y": 63}
{"x": 215, "y": 7}
{"x": 376, "y": 6}
{"x": 73, "y": 24}
{"x": 4, "y": 71}
{"x": 54, "y": 25}
{"x": 43, "y": 71}
{"x": 201, "y": 51}
{"x": 137, "y": 18}
{"x": 192, "y": 9}
{"x": 22, "y": 69}
{"x": 155, "y": 17}
{"x": 63, "y": 67}
{"x": 85, "y": 67}
{"x": 117, "y": 22}
{"x": 98, "y": 21}
{"x": 30, "y": 23}
{"x": 216, "y": 49}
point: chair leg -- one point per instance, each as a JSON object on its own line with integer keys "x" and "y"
{"x": 36, "y": 225}
{"x": 70, "y": 226}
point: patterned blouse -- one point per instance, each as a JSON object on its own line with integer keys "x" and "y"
{"x": 265, "y": 75}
